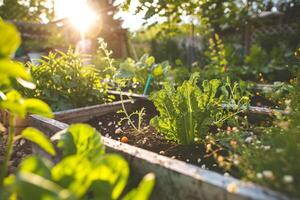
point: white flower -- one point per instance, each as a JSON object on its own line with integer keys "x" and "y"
{"x": 248, "y": 139}
{"x": 279, "y": 150}
{"x": 266, "y": 147}
{"x": 288, "y": 179}
{"x": 268, "y": 174}
{"x": 259, "y": 175}
{"x": 235, "y": 129}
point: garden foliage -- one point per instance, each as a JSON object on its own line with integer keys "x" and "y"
{"x": 83, "y": 171}
{"x": 64, "y": 81}
{"x": 186, "y": 113}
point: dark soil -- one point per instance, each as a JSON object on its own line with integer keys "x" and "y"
{"x": 148, "y": 138}
{"x": 260, "y": 101}
{"x": 21, "y": 149}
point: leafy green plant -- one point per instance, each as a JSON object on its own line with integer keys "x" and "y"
{"x": 10, "y": 99}
{"x": 272, "y": 157}
{"x": 63, "y": 81}
{"x": 103, "y": 61}
{"x": 279, "y": 93}
{"x": 217, "y": 55}
{"x": 84, "y": 171}
{"x": 267, "y": 155}
{"x": 137, "y": 73}
{"x": 186, "y": 113}
{"x": 128, "y": 117}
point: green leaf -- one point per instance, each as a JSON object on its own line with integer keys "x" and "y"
{"x": 13, "y": 69}
{"x": 33, "y": 180}
{"x": 81, "y": 139}
{"x": 143, "y": 191}
{"x": 150, "y": 61}
{"x": 111, "y": 169}
{"x": 36, "y": 106}
{"x": 40, "y": 139}
{"x": 9, "y": 41}
{"x": 14, "y": 103}
{"x": 73, "y": 173}
{"x": 32, "y": 186}
{"x": 34, "y": 164}
{"x": 157, "y": 71}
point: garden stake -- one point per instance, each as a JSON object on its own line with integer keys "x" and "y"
{"x": 149, "y": 79}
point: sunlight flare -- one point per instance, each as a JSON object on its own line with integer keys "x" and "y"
{"x": 80, "y": 14}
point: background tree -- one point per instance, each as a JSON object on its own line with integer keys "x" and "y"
{"x": 29, "y": 10}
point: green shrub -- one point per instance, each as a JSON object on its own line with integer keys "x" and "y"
{"x": 269, "y": 155}
{"x": 64, "y": 81}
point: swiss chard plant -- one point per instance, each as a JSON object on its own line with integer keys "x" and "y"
{"x": 186, "y": 113}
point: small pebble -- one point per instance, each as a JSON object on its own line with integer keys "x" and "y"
{"x": 19, "y": 154}
{"x": 118, "y": 131}
{"x": 162, "y": 152}
{"x": 22, "y": 142}
{"x": 173, "y": 157}
{"x": 232, "y": 187}
{"x": 198, "y": 160}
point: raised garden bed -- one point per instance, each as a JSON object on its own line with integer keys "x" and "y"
{"x": 175, "y": 179}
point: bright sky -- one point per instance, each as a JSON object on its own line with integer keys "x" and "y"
{"x": 79, "y": 13}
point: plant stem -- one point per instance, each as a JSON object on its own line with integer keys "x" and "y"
{"x": 125, "y": 112}
{"x": 9, "y": 149}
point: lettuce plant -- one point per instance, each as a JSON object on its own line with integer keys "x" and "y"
{"x": 186, "y": 113}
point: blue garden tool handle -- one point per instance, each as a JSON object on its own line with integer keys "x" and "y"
{"x": 148, "y": 83}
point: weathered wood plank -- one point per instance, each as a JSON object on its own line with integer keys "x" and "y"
{"x": 128, "y": 94}
{"x": 87, "y": 113}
